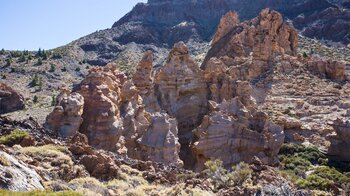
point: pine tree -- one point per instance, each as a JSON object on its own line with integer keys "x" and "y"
{"x": 40, "y": 61}
{"x": 53, "y": 100}
{"x": 39, "y": 53}
{"x": 52, "y": 68}
{"x": 44, "y": 55}
{"x": 35, "y": 99}
{"x": 8, "y": 62}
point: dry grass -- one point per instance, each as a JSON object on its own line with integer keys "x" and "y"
{"x": 39, "y": 193}
{"x": 52, "y": 151}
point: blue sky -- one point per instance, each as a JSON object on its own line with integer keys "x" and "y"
{"x": 47, "y": 24}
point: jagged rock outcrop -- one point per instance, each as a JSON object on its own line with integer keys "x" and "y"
{"x": 66, "y": 117}
{"x": 251, "y": 46}
{"x": 10, "y": 100}
{"x": 327, "y": 68}
{"x": 101, "y": 116}
{"x": 227, "y": 23}
{"x": 233, "y": 133}
{"x": 17, "y": 176}
{"x": 144, "y": 81}
{"x": 181, "y": 89}
{"x": 110, "y": 111}
{"x": 340, "y": 142}
{"x": 153, "y": 115}
{"x": 160, "y": 142}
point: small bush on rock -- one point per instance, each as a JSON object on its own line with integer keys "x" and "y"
{"x": 15, "y": 137}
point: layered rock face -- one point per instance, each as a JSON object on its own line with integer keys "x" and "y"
{"x": 328, "y": 68}
{"x": 233, "y": 134}
{"x": 10, "y": 100}
{"x": 181, "y": 89}
{"x": 340, "y": 142}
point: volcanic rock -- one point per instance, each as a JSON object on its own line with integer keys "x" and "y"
{"x": 234, "y": 134}
{"x": 10, "y": 100}
{"x": 341, "y": 141}
{"x": 182, "y": 90}
{"x": 160, "y": 142}
{"x": 252, "y": 45}
{"x": 17, "y": 176}
{"x": 327, "y": 68}
{"x": 227, "y": 23}
{"x": 66, "y": 117}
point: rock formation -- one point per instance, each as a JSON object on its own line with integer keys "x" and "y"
{"x": 153, "y": 115}
{"x": 327, "y": 68}
{"x": 181, "y": 89}
{"x": 10, "y": 100}
{"x": 160, "y": 142}
{"x": 184, "y": 114}
{"x": 66, "y": 117}
{"x": 251, "y": 46}
{"x": 110, "y": 111}
{"x": 227, "y": 22}
{"x": 233, "y": 134}
{"x": 340, "y": 142}
{"x": 17, "y": 176}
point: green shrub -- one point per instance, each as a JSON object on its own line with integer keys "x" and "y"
{"x": 241, "y": 173}
{"x": 77, "y": 69}
{"x": 296, "y": 160}
{"x": 215, "y": 171}
{"x": 35, "y": 99}
{"x": 314, "y": 182}
{"x": 64, "y": 69}
{"x": 304, "y": 55}
{"x": 8, "y": 62}
{"x": 37, "y": 81}
{"x": 2, "y": 51}
{"x": 14, "y": 137}
{"x": 52, "y": 68}
{"x": 56, "y": 55}
{"x": 53, "y": 100}
{"x": 332, "y": 174}
{"x": 223, "y": 178}
{"x": 40, "y": 61}
{"x": 311, "y": 154}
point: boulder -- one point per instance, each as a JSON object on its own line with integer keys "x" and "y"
{"x": 327, "y": 68}
{"x": 17, "y": 176}
{"x": 66, "y": 118}
{"x": 160, "y": 142}
{"x": 340, "y": 141}
{"x": 10, "y": 100}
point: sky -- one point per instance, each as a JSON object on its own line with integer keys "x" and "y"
{"x": 47, "y": 24}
